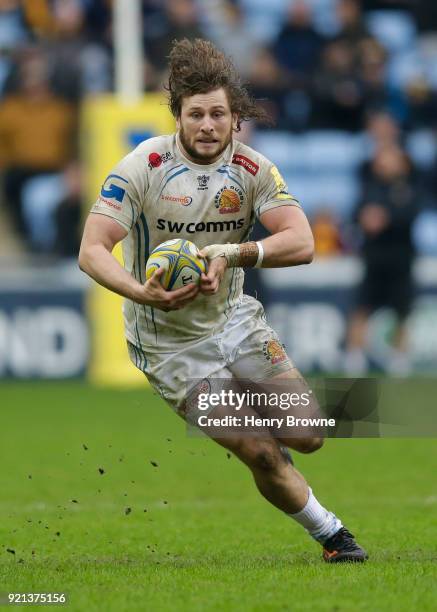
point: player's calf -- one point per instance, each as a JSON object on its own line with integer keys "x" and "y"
{"x": 303, "y": 445}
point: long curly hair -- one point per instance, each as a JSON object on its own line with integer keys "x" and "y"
{"x": 199, "y": 67}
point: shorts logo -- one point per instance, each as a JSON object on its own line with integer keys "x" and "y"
{"x": 274, "y": 351}
{"x": 247, "y": 163}
{"x": 192, "y": 400}
{"x": 228, "y": 200}
{"x": 203, "y": 180}
{"x": 156, "y": 159}
{"x": 183, "y": 200}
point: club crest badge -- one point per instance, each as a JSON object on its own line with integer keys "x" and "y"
{"x": 274, "y": 351}
{"x": 191, "y": 402}
{"x": 228, "y": 200}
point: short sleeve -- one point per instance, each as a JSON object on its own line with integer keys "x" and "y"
{"x": 123, "y": 193}
{"x": 272, "y": 190}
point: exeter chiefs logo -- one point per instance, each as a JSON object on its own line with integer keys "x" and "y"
{"x": 274, "y": 351}
{"x": 228, "y": 200}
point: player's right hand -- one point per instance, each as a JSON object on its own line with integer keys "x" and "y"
{"x": 155, "y": 295}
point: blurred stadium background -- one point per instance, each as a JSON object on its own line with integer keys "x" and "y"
{"x": 352, "y": 87}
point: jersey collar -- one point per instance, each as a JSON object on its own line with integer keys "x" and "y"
{"x": 223, "y": 159}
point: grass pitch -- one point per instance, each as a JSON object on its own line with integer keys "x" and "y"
{"x": 105, "y": 498}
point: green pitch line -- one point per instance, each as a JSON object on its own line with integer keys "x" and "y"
{"x": 105, "y": 498}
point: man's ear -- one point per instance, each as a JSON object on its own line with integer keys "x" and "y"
{"x": 235, "y": 119}
{"x": 178, "y": 122}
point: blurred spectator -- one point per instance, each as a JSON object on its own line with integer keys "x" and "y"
{"x": 338, "y": 95}
{"x": 422, "y": 104}
{"x": 13, "y": 27}
{"x": 67, "y": 214}
{"x": 297, "y": 53}
{"x": 79, "y": 67}
{"x": 14, "y": 32}
{"x": 98, "y": 21}
{"x": 20, "y": 18}
{"x": 377, "y": 93}
{"x": 37, "y": 132}
{"x": 269, "y": 86}
{"x": 298, "y": 46}
{"x": 226, "y": 25}
{"x": 326, "y": 234}
{"x": 352, "y": 27}
{"x": 51, "y": 211}
{"x": 382, "y": 128}
{"x": 388, "y": 207}
{"x": 182, "y": 21}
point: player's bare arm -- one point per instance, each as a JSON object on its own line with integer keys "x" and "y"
{"x": 291, "y": 244}
{"x": 101, "y": 234}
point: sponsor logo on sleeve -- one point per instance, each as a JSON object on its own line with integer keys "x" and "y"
{"x": 109, "y": 203}
{"x": 283, "y": 195}
{"x": 277, "y": 177}
{"x": 246, "y": 163}
{"x": 111, "y": 193}
{"x": 182, "y": 200}
{"x": 281, "y": 185}
{"x": 157, "y": 159}
{"x": 228, "y": 200}
{"x": 274, "y": 351}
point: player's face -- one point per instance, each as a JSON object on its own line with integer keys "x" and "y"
{"x": 205, "y": 126}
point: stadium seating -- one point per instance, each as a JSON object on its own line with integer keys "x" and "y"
{"x": 320, "y": 167}
{"x": 405, "y": 66}
{"x": 41, "y": 197}
{"x": 421, "y": 147}
{"x": 264, "y": 18}
{"x": 395, "y": 30}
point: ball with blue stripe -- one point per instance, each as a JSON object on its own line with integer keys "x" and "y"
{"x": 181, "y": 262}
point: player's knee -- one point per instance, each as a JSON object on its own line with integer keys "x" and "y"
{"x": 266, "y": 456}
{"x": 311, "y": 445}
{"x": 258, "y": 455}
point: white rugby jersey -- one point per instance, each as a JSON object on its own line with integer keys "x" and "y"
{"x": 157, "y": 194}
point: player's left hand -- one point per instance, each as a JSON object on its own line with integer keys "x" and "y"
{"x": 210, "y": 282}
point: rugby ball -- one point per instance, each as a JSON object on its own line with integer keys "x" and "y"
{"x": 181, "y": 262}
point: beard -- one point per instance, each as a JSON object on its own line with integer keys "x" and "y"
{"x": 204, "y": 158}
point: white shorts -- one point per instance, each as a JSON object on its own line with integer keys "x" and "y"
{"x": 246, "y": 348}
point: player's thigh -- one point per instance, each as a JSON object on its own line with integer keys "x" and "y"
{"x": 174, "y": 375}
{"x": 252, "y": 347}
{"x": 260, "y": 356}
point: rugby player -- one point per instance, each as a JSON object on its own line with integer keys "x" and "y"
{"x": 202, "y": 185}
